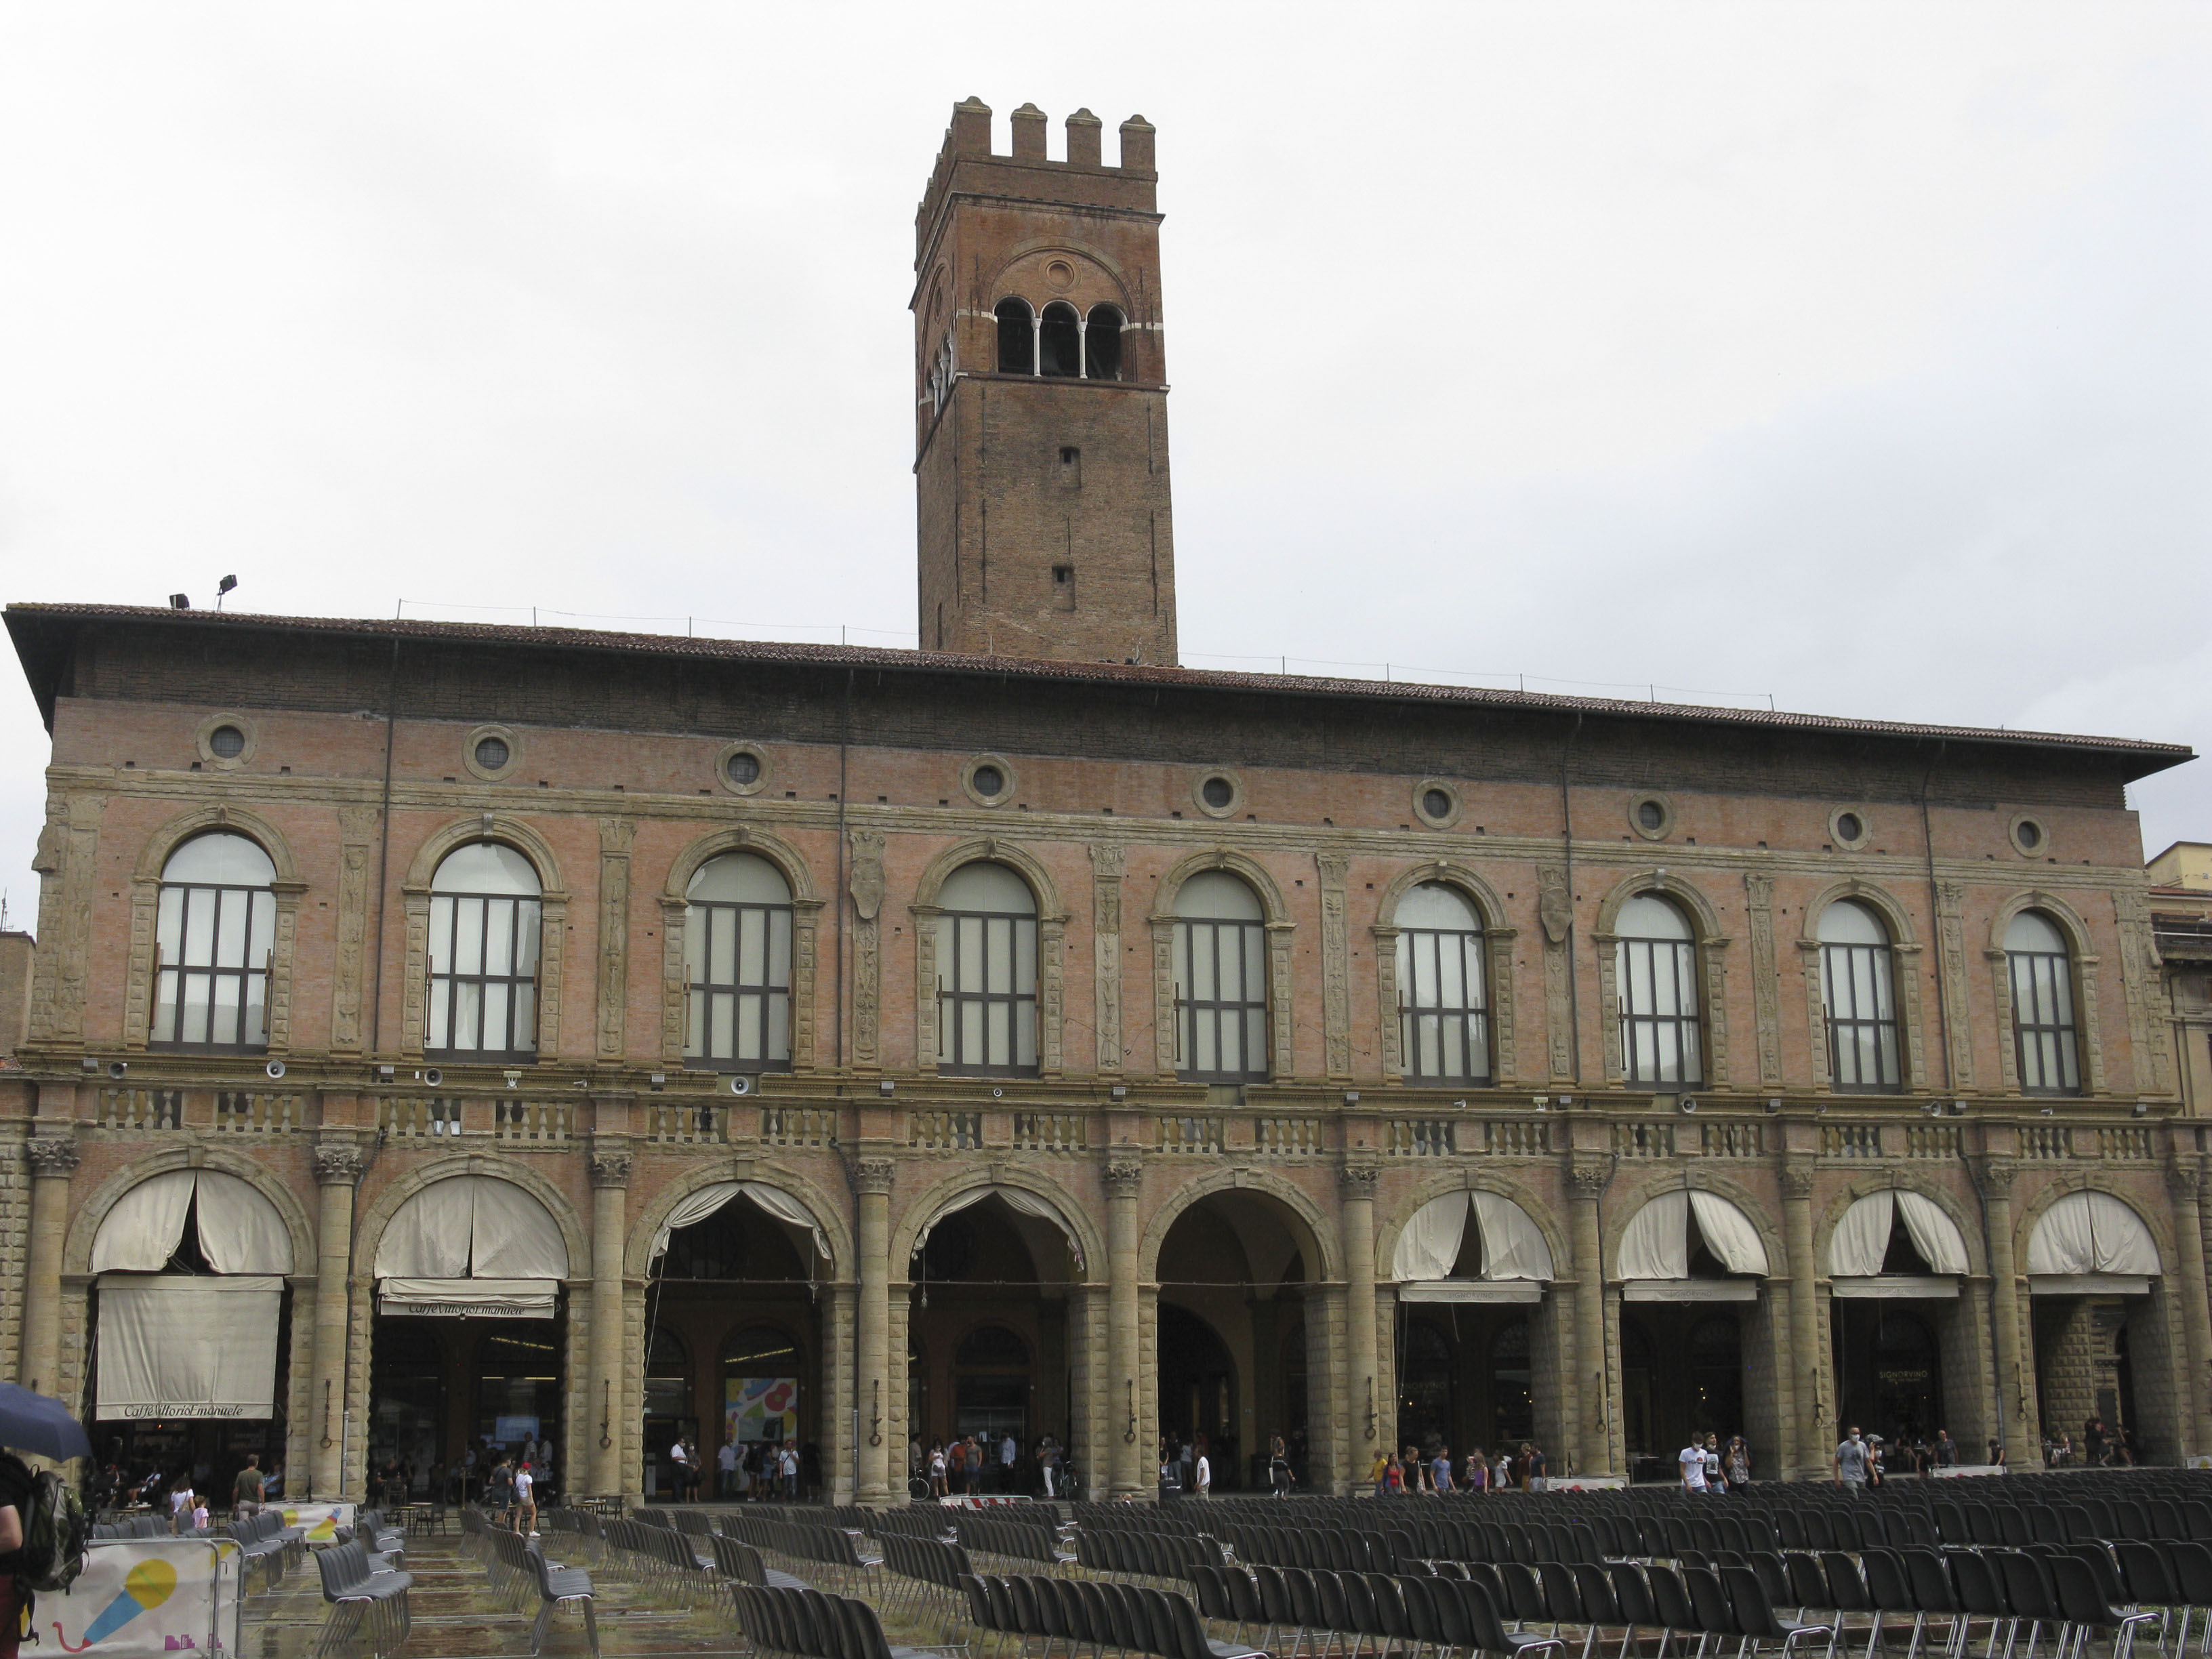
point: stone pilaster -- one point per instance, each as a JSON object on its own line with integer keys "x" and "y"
{"x": 610, "y": 1425}
{"x": 1798, "y": 1370}
{"x": 54, "y": 1160}
{"x": 1108, "y": 863}
{"x": 1372, "y": 1420}
{"x": 1124, "y": 1181}
{"x": 872, "y": 1183}
{"x": 615, "y": 837}
{"x": 2016, "y": 1410}
{"x": 2184, "y": 1180}
{"x": 866, "y": 887}
{"x": 1336, "y": 966}
{"x": 338, "y": 1165}
{"x": 1596, "y": 1433}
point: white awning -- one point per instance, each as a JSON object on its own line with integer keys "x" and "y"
{"x": 1690, "y": 1289}
{"x": 2092, "y": 1233}
{"x": 240, "y": 1230}
{"x": 1656, "y": 1244}
{"x": 175, "y": 1346}
{"x": 1862, "y": 1237}
{"x": 1512, "y": 1247}
{"x": 472, "y": 1227}
{"x": 1471, "y": 1290}
{"x": 2087, "y": 1285}
{"x": 1019, "y": 1200}
{"x": 1897, "y": 1287}
{"x": 695, "y": 1208}
{"x": 468, "y": 1299}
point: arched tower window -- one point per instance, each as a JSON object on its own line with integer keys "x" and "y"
{"x": 1220, "y": 981}
{"x": 2043, "y": 1026}
{"x": 215, "y": 925}
{"x": 987, "y": 972}
{"x": 1060, "y": 343}
{"x": 484, "y": 934}
{"x": 1102, "y": 344}
{"x": 1443, "y": 1012}
{"x": 1016, "y": 337}
{"x": 1656, "y": 965}
{"x": 1858, "y": 986}
{"x": 736, "y": 959}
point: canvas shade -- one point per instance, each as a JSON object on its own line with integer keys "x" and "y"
{"x": 240, "y": 1230}
{"x": 697, "y": 1206}
{"x": 171, "y": 1346}
{"x": 1656, "y": 1243}
{"x": 2092, "y": 1233}
{"x": 1019, "y": 1201}
{"x": 471, "y": 1246}
{"x": 1511, "y": 1247}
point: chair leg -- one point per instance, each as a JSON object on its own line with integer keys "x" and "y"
{"x": 538, "y": 1625}
{"x": 592, "y": 1628}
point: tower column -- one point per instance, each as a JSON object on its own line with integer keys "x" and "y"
{"x": 1356, "y": 1186}
{"x": 1123, "y": 1182}
{"x": 872, "y": 1178}
{"x": 609, "y": 1438}
{"x": 2015, "y": 1409}
{"x": 339, "y": 1166}
{"x": 54, "y": 1160}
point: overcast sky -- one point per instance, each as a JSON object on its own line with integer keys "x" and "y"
{"x": 1856, "y": 354}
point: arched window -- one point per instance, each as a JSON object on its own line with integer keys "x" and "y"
{"x": 737, "y": 965}
{"x": 987, "y": 972}
{"x": 2043, "y": 1029}
{"x": 1060, "y": 343}
{"x": 667, "y": 1377}
{"x": 1220, "y": 981}
{"x": 1443, "y": 1014}
{"x": 1017, "y": 337}
{"x": 217, "y": 922}
{"x": 1858, "y": 987}
{"x": 1657, "y": 969}
{"x": 1102, "y": 344}
{"x": 483, "y": 954}
{"x": 991, "y": 1345}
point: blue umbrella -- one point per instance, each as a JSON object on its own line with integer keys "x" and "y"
{"x": 33, "y": 1423}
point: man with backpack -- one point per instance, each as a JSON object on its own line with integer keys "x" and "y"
{"x": 42, "y": 1540}
{"x": 15, "y": 1487}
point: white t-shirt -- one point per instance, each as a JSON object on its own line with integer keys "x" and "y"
{"x": 1694, "y": 1467}
{"x": 676, "y": 1454}
{"x": 727, "y": 1457}
{"x": 524, "y": 1480}
{"x": 1205, "y": 1475}
{"x": 788, "y": 1463}
{"x": 1008, "y": 1451}
{"x": 936, "y": 1462}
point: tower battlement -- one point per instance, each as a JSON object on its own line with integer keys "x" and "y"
{"x": 966, "y": 164}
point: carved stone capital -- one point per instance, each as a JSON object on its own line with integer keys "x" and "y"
{"x": 338, "y": 1165}
{"x": 53, "y": 1158}
{"x": 1797, "y": 1180}
{"x": 2184, "y": 1177}
{"x": 1996, "y": 1177}
{"x": 1358, "y": 1180}
{"x": 611, "y": 1169}
{"x": 1587, "y": 1177}
{"x": 1124, "y": 1180}
{"x": 873, "y": 1175}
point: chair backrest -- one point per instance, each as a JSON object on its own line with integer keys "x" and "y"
{"x": 1593, "y": 1588}
{"x": 2027, "y": 1582}
{"x": 2078, "y": 1597}
{"x": 1932, "y": 1589}
{"x": 1631, "y": 1594}
{"x": 2149, "y": 1581}
{"x": 1670, "y": 1601}
{"x": 1709, "y": 1599}
{"x": 1749, "y": 1603}
{"x": 1563, "y": 1595}
{"x": 1887, "y": 1585}
{"x": 2192, "y": 1570}
{"x": 1483, "y": 1620}
{"x": 1847, "y": 1590}
{"x": 1523, "y": 1590}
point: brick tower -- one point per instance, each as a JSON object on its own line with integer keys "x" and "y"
{"x": 1041, "y": 425}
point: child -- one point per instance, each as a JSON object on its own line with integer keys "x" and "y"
{"x": 1477, "y": 1473}
{"x": 199, "y": 1514}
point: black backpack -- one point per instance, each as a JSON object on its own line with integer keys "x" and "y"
{"x": 54, "y": 1530}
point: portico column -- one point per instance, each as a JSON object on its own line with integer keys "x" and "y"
{"x": 54, "y": 1159}
{"x": 1123, "y": 1182}
{"x": 872, "y": 1179}
{"x": 2182, "y": 1178}
{"x": 1356, "y": 1186}
{"x": 2023, "y": 1443}
{"x": 606, "y": 1431}
{"x": 339, "y": 1166}
{"x": 1807, "y": 1434}
{"x": 1587, "y": 1179}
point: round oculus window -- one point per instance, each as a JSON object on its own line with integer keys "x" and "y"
{"x": 987, "y": 780}
{"x": 226, "y": 742}
{"x": 743, "y": 767}
{"x": 1217, "y": 792}
{"x": 1650, "y": 815}
{"x": 1436, "y": 803}
{"x": 1849, "y": 826}
{"x": 492, "y": 753}
{"x": 2028, "y": 833}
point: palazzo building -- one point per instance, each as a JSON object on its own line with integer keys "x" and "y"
{"x": 442, "y": 1033}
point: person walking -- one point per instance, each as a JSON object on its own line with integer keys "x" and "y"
{"x": 1008, "y": 1452}
{"x": 245, "y": 1492}
{"x": 1850, "y": 1461}
{"x": 525, "y": 1501}
{"x": 1477, "y": 1473}
{"x": 1715, "y": 1483}
{"x": 1692, "y": 1463}
{"x": 1440, "y": 1475}
{"x": 1279, "y": 1466}
{"x": 1201, "y": 1477}
{"x": 1736, "y": 1466}
{"x": 725, "y": 1462}
{"x": 788, "y": 1469}
{"x": 1379, "y": 1473}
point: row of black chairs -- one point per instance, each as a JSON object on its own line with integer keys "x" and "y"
{"x": 811, "y": 1624}
{"x": 826, "y": 1547}
{"x": 1019, "y": 1541}
{"x": 367, "y": 1600}
{"x": 520, "y": 1573}
{"x": 1131, "y": 1619}
{"x": 924, "y": 1574}
{"x": 1145, "y": 1555}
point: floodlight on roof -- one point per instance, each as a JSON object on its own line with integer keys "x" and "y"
{"x": 180, "y": 601}
{"x": 223, "y": 587}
